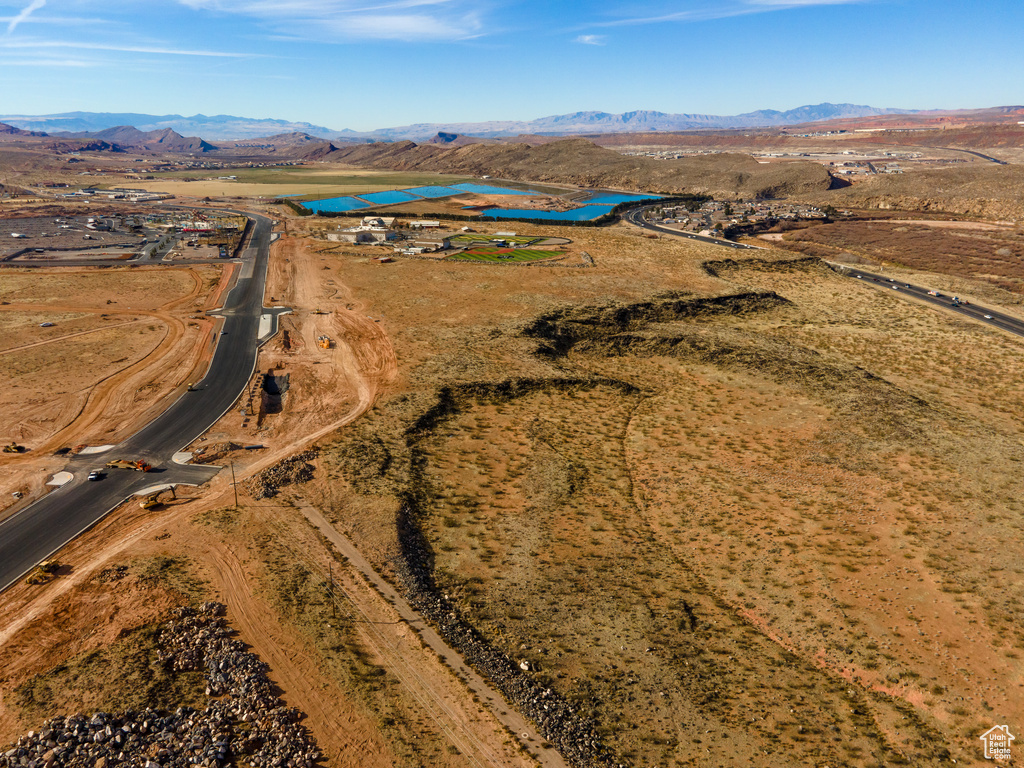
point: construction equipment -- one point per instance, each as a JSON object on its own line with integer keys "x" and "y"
{"x": 43, "y": 573}
{"x": 324, "y": 342}
{"x": 150, "y": 501}
{"x": 14, "y": 448}
{"x": 138, "y": 466}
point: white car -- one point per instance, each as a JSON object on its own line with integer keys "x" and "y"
{"x": 988, "y": 317}
{"x": 95, "y": 475}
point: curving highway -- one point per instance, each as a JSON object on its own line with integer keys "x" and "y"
{"x": 638, "y": 217}
{"x": 991, "y": 317}
{"x": 37, "y": 531}
{"x": 907, "y": 290}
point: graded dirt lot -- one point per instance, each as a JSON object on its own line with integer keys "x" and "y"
{"x": 683, "y": 508}
{"x": 120, "y": 340}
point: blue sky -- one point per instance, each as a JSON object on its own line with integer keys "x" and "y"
{"x": 367, "y": 64}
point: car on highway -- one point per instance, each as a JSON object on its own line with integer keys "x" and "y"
{"x": 95, "y": 475}
{"x": 988, "y": 317}
{"x": 894, "y": 287}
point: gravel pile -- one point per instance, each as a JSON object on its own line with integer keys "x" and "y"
{"x": 247, "y": 726}
{"x": 295, "y": 469}
{"x": 214, "y": 452}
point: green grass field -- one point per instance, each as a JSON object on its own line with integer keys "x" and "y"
{"x": 499, "y": 255}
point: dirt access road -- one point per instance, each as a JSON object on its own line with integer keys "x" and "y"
{"x": 447, "y": 713}
{"x": 331, "y": 388}
{"x": 336, "y": 386}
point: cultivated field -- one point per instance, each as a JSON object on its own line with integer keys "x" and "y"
{"x": 499, "y": 255}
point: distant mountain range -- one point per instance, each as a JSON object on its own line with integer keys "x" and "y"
{"x": 210, "y": 127}
{"x": 229, "y": 127}
{"x": 642, "y": 121}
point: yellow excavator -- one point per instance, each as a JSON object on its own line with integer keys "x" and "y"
{"x": 153, "y": 499}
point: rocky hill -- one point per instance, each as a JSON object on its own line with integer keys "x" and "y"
{"x": 10, "y": 130}
{"x": 979, "y": 189}
{"x": 320, "y": 151}
{"x": 65, "y": 146}
{"x": 580, "y": 162}
{"x": 129, "y": 137}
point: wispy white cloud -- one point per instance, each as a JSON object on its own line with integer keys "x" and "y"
{"x": 722, "y": 10}
{"x": 47, "y": 44}
{"x": 75, "y": 21}
{"x": 590, "y": 39}
{"x": 41, "y": 63}
{"x": 27, "y": 11}
{"x": 348, "y": 20}
{"x": 410, "y": 26}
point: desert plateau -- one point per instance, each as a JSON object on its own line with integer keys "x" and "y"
{"x": 597, "y": 440}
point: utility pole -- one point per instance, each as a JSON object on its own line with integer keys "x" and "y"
{"x": 330, "y": 571}
{"x": 234, "y": 484}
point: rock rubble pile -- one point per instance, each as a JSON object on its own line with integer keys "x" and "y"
{"x": 295, "y": 469}
{"x": 573, "y": 735}
{"x": 247, "y": 726}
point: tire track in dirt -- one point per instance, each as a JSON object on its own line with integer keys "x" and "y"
{"x": 348, "y": 742}
{"x": 114, "y": 388}
{"x": 369, "y": 364}
{"x": 66, "y": 337}
{"x": 418, "y": 675}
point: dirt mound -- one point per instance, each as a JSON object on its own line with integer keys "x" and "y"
{"x": 214, "y": 452}
{"x": 723, "y": 267}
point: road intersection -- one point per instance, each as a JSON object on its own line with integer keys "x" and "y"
{"x": 40, "y": 529}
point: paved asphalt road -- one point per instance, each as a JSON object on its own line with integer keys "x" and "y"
{"x": 973, "y": 311}
{"x": 39, "y": 530}
{"x": 637, "y": 216}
